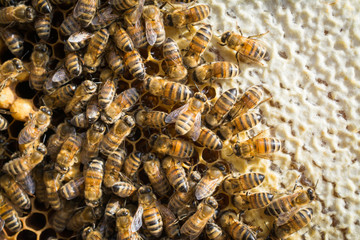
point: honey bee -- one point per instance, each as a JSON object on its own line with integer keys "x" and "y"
{"x": 93, "y": 181}
{"x": 198, "y": 46}
{"x": 85, "y": 216}
{"x": 175, "y": 173}
{"x": 43, "y": 26}
{"x": 221, "y": 107}
{"x": 113, "y": 167}
{"x": 121, "y": 103}
{"x": 113, "y": 206}
{"x": 209, "y": 139}
{"x": 91, "y": 145}
{"x": 84, "y": 11}
{"x": 215, "y": 70}
{"x": 92, "y": 233}
{"x": 60, "y": 97}
{"x": 155, "y": 174}
{"x": 14, "y": 191}
{"x": 251, "y": 200}
{"x": 103, "y": 18}
{"x": 81, "y": 96}
{"x": 9, "y": 215}
{"x": 241, "y": 123}
{"x": 171, "y": 223}
{"x": 121, "y": 38}
{"x": 114, "y": 60}
{"x": 9, "y": 70}
{"x": 174, "y": 147}
{"x": 42, "y": 6}
{"x": 132, "y": 163}
{"x": 180, "y": 1}
{"x": 3, "y": 126}
{"x": 166, "y": 89}
{"x": 151, "y": 119}
{"x": 13, "y": 40}
{"x": 52, "y": 180}
{"x": 214, "y": 231}
{"x": 188, "y": 117}
{"x": 135, "y": 29}
{"x": 148, "y": 209}
{"x": 77, "y": 41}
{"x": 96, "y": 48}
{"x": 106, "y": 93}
{"x": 124, "y": 222}
{"x": 236, "y": 183}
{"x": 72, "y": 189}
{"x": 41, "y": 194}
{"x": 197, "y": 222}
{"x": 123, "y": 189}
{"x": 175, "y": 68}
{"x": 154, "y": 25}
{"x": 20, "y": 13}
{"x": 212, "y": 179}
{"x": 117, "y": 134}
{"x": 79, "y": 120}
{"x": 56, "y": 79}
{"x": 7, "y": 3}
{"x": 247, "y": 49}
{"x": 134, "y": 63}
{"x": 39, "y": 60}
{"x": 235, "y": 228}
{"x": 182, "y": 17}
{"x": 66, "y": 157}
{"x": 73, "y": 64}
{"x": 69, "y": 26}
{"x": 122, "y": 5}
{"x": 61, "y": 217}
{"x": 92, "y": 110}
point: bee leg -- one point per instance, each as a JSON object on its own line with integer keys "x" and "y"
{"x": 259, "y": 35}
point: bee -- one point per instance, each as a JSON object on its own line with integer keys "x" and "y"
{"x": 134, "y": 63}
{"x": 84, "y": 11}
{"x": 122, "y": 5}
{"x": 16, "y": 194}
{"x": 235, "y": 228}
{"x": 197, "y": 222}
{"x": 60, "y": 97}
{"x": 26, "y": 181}
{"x": 39, "y": 60}
{"x": 92, "y": 110}
{"x": 77, "y": 41}
{"x": 175, "y": 173}
{"x": 56, "y": 79}
{"x": 154, "y": 25}
{"x": 42, "y": 6}
{"x": 175, "y": 68}
{"x": 85, "y": 216}
{"x": 166, "y": 89}
{"x": 180, "y": 1}
{"x": 93, "y": 180}
{"x": 3, "y": 126}
{"x": 114, "y": 60}
{"x": 171, "y": 223}
{"x": 20, "y": 13}
{"x": 9, "y": 70}
{"x": 241, "y": 123}
{"x": 69, "y": 26}
{"x": 13, "y": 40}
{"x": 149, "y": 211}
{"x": 182, "y": 17}
{"x": 121, "y": 103}
{"x": 113, "y": 167}
{"x": 221, "y": 107}
{"x": 92, "y": 233}
{"x": 132, "y": 163}
{"x": 299, "y": 198}
{"x": 121, "y": 38}
{"x": 7, "y": 2}
{"x": 106, "y": 93}
{"x": 79, "y": 121}
{"x": 113, "y": 206}
{"x": 117, "y": 134}
{"x": 134, "y": 28}
{"x": 208, "y": 184}
{"x": 124, "y": 222}
{"x": 123, "y": 189}
{"x": 188, "y": 117}
{"x": 91, "y": 145}
{"x": 9, "y": 215}
{"x": 251, "y": 200}
{"x": 209, "y": 139}
{"x": 52, "y": 180}
{"x": 174, "y": 147}
{"x": 103, "y": 18}
{"x": 215, "y": 70}
{"x": 67, "y": 155}
{"x": 96, "y": 48}
{"x": 43, "y": 26}
{"x": 247, "y": 49}
{"x": 61, "y": 217}
{"x": 72, "y": 189}
{"x": 41, "y": 194}
{"x": 236, "y": 183}
{"x": 81, "y": 96}
{"x": 151, "y": 119}
{"x": 155, "y": 174}
{"x": 214, "y": 231}
{"x": 73, "y": 64}
{"x": 198, "y": 46}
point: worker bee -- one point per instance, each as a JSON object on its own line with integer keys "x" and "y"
{"x": 154, "y": 26}
{"x": 3, "y": 126}
{"x": 39, "y": 60}
{"x": 241, "y": 182}
{"x": 113, "y": 167}
{"x": 188, "y": 117}
{"x": 124, "y": 222}
{"x": 171, "y": 223}
{"x": 57, "y": 78}
{"x": 106, "y": 93}
{"x": 79, "y": 121}
{"x": 249, "y": 201}
{"x": 237, "y": 230}
{"x": 43, "y": 26}
{"x": 155, "y": 174}
{"x": 72, "y": 189}
{"x": 212, "y": 179}
{"x": 215, "y": 70}
{"x": 9, "y": 70}
{"x": 9, "y": 215}
{"x": 73, "y": 64}
{"x": 209, "y": 139}
{"x": 67, "y": 155}
{"x": 20, "y": 13}
{"x": 132, "y": 163}
{"x": 84, "y": 11}
{"x": 103, "y": 18}
{"x": 61, "y": 217}
{"x": 121, "y": 103}
{"x": 85, "y": 216}
{"x": 123, "y": 188}
{"x": 198, "y": 46}
{"x": 41, "y": 194}
{"x": 149, "y": 211}
{"x": 174, "y": 147}
{"x": 114, "y": 60}
{"x": 91, "y": 145}
{"x": 60, "y": 97}
{"x": 182, "y": 17}
{"x": 93, "y": 180}
{"x": 121, "y": 38}
{"x": 13, "y": 40}
{"x": 241, "y": 123}
{"x": 134, "y": 28}
{"x": 122, "y": 5}
{"x": 96, "y": 48}
{"x": 247, "y": 49}
{"x": 151, "y": 119}
{"x": 175, "y": 68}
{"x": 134, "y": 63}
{"x": 175, "y": 173}
{"x": 197, "y": 222}
{"x": 113, "y": 206}
{"x": 221, "y": 107}
{"x": 82, "y": 95}
{"x": 15, "y": 192}
{"x": 166, "y": 89}
{"x": 117, "y": 134}
{"x": 92, "y": 233}
{"x": 52, "y": 180}
{"x": 92, "y": 110}
{"x": 214, "y": 231}
{"x": 69, "y": 26}
{"x": 42, "y": 6}
{"x": 77, "y": 41}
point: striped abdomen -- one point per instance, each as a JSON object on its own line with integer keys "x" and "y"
{"x": 122, "y": 40}
{"x": 177, "y": 91}
{"x": 157, "y": 177}
{"x": 17, "y": 195}
{"x": 181, "y": 149}
{"x": 54, "y": 198}
{"x": 61, "y": 217}
{"x": 73, "y": 64}
{"x": 123, "y": 4}
{"x": 222, "y": 70}
{"x": 63, "y": 95}
{"x": 252, "y": 49}
{"x": 195, "y": 224}
{"x": 249, "y": 180}
{"x": 153, "y": 221}
{"x": 96, "y": 47}
{"x": 209, "y": 139}
{"x": 137, "y": 35}
{"x": 252, "y": 201}
{"x": 135, "y": 64}
{"x": 214, "y": 232}
{"x": 84, "y": 11}
{"x": 176, "y": 175}
{"x": 250, "y": 99}
{"x": 197, "y": 13}
{"x": 73, "y": 188}
{"x": 3, "y": 124}
{"x": 43, "y": 26}
{"x": 9, "y": 215}
{"x": 245, "y": 122}
{"x": 123, "y": 189}
{"x": 239, "y": 231}
{"x": 113, "y": 167}
{"x": 17, "y": 166}
{"x": 13, "y": 41}
{"x": 267, "y": 145}
{"x": 115, "y": 62}
{"x": 171, "y": 52}
{"x": 69, "y": 26}
{"x": 106, "y": 94}
{"x": 37, "y": 77}
{"x": 93, "y": 180}
{"x": 185, "y": 122}
{"x": 132, "y": 164}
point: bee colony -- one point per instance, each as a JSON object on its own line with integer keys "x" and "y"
{"x": 136, "y": 119}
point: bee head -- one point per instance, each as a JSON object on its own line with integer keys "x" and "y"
{"x": 128, "y": 120}
{"x": 18, "y": 64}
{"x": 30, "y": 13}
{"x": 200, "y": 96}
{"x": 122, "y": 212}
{"x": 90, "y": 86}
{"x": 221, "y": 167}
{"x": 211, "y": 202}
{"x": 311, "y": 194}
{"x": 195, "y": 176}
{"x": 150, "y": 157}
{"x": 169, "y": 20}
{"x": 46, "y": 110}
{"x": 41, "y": 47}
{"x": 225, "y": 37}
{"x": 99, "y": 127}
{"x": 41, "y": 148}
{"x": 153, "y": 138}
{"x": 145, "y": 190}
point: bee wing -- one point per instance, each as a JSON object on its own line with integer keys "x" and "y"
{"x": 137, "y": 221}
{"x": 171, "y": 118}
{"x": 26, "y": 132}
{"x": 165, "y": 212}
{"x": 150, "y": 33}
{"x": 80, "y": 36}
{"x": 211, "y": 184}
{"x": 195, "y": 131}
{"x": 138, "y": 12}
{"x": 284, "y": 217}
{"x": 77, "y": 11}
{"x": 2, "y": 223}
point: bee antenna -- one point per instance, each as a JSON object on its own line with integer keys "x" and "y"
{"x": 197, "y": 86}
{"x": 44, "y": 138}
{"x": 316, "y": 184}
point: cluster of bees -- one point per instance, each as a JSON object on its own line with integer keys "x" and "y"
{"x": 84, "y": 172}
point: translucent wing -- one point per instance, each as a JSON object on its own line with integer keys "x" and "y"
{"x": 165, "y": 212}
{"x": 171, "y": 118}
{"x": 137, "y": 221}
{"x": 208, "y": 189}
{"x": 80, "y": 36}
{"x": 195, "y": 131}
{"x": 150, "y": 33}
{"x": 80, "y": 4}
{"x": 138, "y": 12}
{"x": 284, "y": 217}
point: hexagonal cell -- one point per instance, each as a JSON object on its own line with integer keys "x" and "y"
{"x": 59, "y": 52}
{"x": 23, "y": 90}
{"x": 48, "y": 233}
{"x": 142, "y": 146}
{"x": 157, "y": 53}
{"x": 209, "y": 155}
{"x": 223, "y": 200}
{"x": 135, "y": 134}
{"x": 209, "y": 91}
{"x": 15, "y": 128}
{"x": 54, "y": 36}
{"x": 58, "y": 18}
{"x": 149, "y": 100}
{"x": 36, "y": 221}
{"x": 27, "y": 235}
{"x": 122, "y": 86}
{"x": 152, "y": 68}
